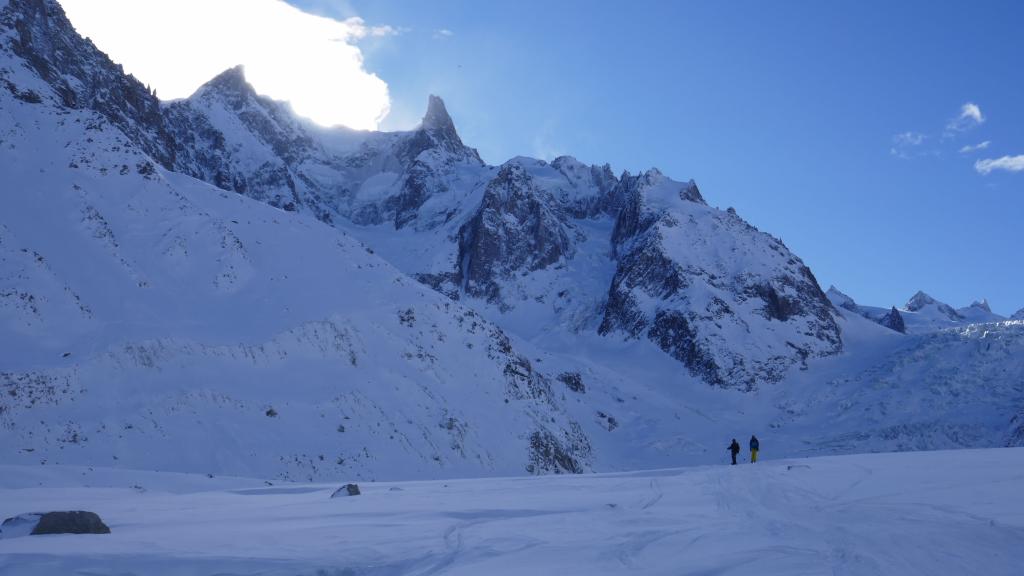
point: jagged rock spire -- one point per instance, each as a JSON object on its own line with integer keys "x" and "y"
{"x": 437, "y": 131}
{"x": 894, "y": 321}
{"x": 437, "y": 120}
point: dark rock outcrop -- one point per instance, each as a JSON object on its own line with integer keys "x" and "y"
{"x": 550, "y": 454}
{"x": 347, "y": 490}
{"x": 894, "y": 321}
{"x": 76, "y": 522}
{"x": 573, "y": 381}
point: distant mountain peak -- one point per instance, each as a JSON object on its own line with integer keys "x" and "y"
{"x": 982, "y": 304}
{"x": 922, "y": 300}
{"x": 1018, "y": 315}
{"x": 841, "y": 299}
{"x": 437, "y": 118}
{"x": 437, "y": 131}
{"x": 231, "y": 81}
{"x": 919, "y": 301}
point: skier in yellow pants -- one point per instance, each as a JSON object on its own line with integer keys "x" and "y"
{"x": 754, "y": 447}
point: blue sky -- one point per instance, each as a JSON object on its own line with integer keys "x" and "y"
{"x": 788, "y": 111}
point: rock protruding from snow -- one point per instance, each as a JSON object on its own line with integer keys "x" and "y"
{"x": 1018, "y": 315}
{"x": 347, "y": 490}
{"x": 894, "y": 321}
{"x": 75, "y": 522}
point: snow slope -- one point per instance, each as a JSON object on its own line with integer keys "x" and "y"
{"x": 929, "y": 514}
{"x": 151, "y": 320}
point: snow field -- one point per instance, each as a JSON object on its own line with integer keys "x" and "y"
{"x": 955, "y": 512}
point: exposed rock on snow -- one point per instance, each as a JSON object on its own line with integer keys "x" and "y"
{"x": 893, "y": 320}
{"x": 77, "y": 522}
{"x": 346, "y": 490}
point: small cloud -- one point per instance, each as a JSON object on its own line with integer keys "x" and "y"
{"x": 360, "y": 30}
{"x": 443, "y": 33}
{"x": 902, "y": 143}
{"x": 970, "y": 116}
{"x": 980, "y": 146}
{"x": 1008, "y": 163}
{"x": 909, "y": 139}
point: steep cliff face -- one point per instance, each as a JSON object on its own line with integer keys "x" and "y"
{"x": 518, "y": 228}
{"x": 82, "y": 77}
{"x": 729, "y": 302}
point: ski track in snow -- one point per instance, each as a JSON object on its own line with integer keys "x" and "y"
{"x": 935, "y": 513}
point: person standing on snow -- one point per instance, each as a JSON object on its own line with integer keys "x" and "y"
{"x": 754, "y": 447}
{"x": 734, "y": 448}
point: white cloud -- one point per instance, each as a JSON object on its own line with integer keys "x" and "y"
{"x": 443, "y": 33}
{"x": 177, "y": 45}
{"x": 909, "y": 139}
{"x": 361, "y": 30}
{"x": 1008, "y": 163}
{"x": 903, "y": 142}
{"x": 979, "y": 146}
{"x": 970, "y": 116}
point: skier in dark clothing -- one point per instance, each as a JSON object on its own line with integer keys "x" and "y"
{"x": 754, "y": 447}
{"x": 734, "y": 448}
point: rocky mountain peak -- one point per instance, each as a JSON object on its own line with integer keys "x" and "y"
{"x": 230, "y": 82}
{"x": 841, "y": 299}
{"x": 437, "y": 132}
{"x": 919, "y": 301}
{"x": 437, "y": 120}
{"x": 1018, "y": 315}
{"x": 982, "y": 305}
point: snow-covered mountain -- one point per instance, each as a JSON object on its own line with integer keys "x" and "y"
{"x": 922, "y": 314}
{"x": 216, "y": 285}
